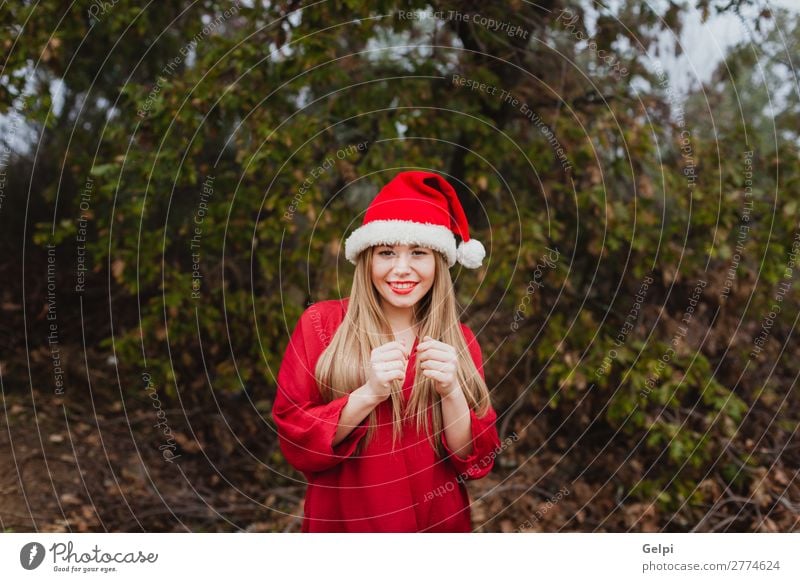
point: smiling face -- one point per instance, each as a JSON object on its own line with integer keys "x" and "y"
{"x": 402, "y": 274}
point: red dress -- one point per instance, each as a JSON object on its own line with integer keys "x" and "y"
{"x": 380, "y": 490}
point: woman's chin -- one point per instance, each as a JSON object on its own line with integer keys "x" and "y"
{"x": 401, "y": 301}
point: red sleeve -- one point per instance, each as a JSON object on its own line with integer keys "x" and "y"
{"x": 307, "y": 425}
{"x": 485, "y": 441}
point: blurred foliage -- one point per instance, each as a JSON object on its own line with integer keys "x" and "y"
{"x": 150, "y": 104}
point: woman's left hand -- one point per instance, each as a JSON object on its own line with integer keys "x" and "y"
{"x": 439, "y": 361}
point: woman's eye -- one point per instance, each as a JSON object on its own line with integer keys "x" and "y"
{"x": 387, "y": 253}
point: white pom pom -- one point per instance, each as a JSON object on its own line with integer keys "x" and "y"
{"x": 471, "y": 253}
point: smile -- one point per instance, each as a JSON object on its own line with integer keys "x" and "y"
{"x": 403, "y": 288}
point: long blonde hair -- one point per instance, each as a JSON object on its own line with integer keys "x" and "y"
{"x": 342, "y": 366}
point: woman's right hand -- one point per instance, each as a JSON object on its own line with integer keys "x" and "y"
{"x": 387, "y": 364}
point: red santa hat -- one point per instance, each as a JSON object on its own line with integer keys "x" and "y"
{"x": 417, "y": 208}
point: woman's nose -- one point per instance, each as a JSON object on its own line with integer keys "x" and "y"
{"x": 401, "y": 264}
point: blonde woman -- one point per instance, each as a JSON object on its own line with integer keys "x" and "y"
{"x": 381, "y": 398}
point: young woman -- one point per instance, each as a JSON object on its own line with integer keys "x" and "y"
{"x": 381, "y": 398}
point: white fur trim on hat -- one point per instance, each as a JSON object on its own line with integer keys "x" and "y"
{"x": 401, "y": 232}
{"x": 471, "y": 253}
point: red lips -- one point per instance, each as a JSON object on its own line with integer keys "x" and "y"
{"x": 407, "y": 287}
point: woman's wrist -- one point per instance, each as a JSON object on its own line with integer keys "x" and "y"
{"x": 454, "y": 395}
{"x": 360, "y": 402}
{"x": 368, "y": 396}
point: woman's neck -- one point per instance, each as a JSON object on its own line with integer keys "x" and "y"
{"x": 400, "y": 319}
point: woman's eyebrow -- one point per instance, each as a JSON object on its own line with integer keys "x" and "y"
{"x": 392, "y": 248}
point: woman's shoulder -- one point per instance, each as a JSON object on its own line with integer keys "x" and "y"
{"x": 328, "y": 309}
{"x": 471, "y": 340}
{"x": 321, "y": 319}
{"x": 467, "y": 331}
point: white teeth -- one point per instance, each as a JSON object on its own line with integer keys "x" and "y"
{"x": 402, "y": 285}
